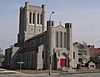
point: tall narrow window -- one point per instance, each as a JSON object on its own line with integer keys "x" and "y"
{"x": 30, "y": 15}
{"x": 33, "y": 18}
{"x": 73, "y": 55}
{"x": 57, "y": 39}
{"x": 60, "y": 39}
{"x": 65, "y": 39}
{"x": 41, "y": 19}
{"x": 37, "y": 18}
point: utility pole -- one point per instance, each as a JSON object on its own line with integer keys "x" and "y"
{"x": 50, "y": 51}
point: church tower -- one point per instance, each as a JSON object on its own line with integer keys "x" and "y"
{"x": 31, "y": 21}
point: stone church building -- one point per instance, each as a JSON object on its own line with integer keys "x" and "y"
{"x": 37, "y": 48}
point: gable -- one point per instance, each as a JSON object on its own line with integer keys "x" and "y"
{"x": 60, "y": 28}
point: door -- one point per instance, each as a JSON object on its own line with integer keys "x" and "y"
{"x": 63, "y": 62}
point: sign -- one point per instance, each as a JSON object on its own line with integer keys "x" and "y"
{"x": 20, "y": 62}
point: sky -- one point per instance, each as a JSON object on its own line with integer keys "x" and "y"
{"x": 83, "y": 14}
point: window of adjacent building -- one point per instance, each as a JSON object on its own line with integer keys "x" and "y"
{"x": 33, "y": 18}
{"x": 73, "y": 55}
{"x": 65, "y": 39}
{"x": 37, "y": 18}
{"x": 80, "y": 54}
{"x": 41, "y": 19}
{"x": 30, "y": 15}
{"x": 57, "y": 39}
{"x": 85, "y": 52}
{"x": 80, "y": 60}
{"x": 60, "y": 39}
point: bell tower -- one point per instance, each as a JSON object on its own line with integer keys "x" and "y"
{"x": 31, "y": 21}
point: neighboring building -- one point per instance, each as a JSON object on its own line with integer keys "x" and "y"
{"x": 10, "y": 55}
{"x": 1, "y": 57}
{"x": 1, "y": 51}
{"x": 82, "y": 53}
{"x": 95, "y": 55}
{"x": 38, "y": 48}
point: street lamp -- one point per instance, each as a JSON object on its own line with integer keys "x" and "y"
{"x": 51, "y": 15}
{"x": 50, "y": 50}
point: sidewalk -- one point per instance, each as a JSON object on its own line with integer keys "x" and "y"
{"x": 40, "y": 72}
{"x": 58, "y": 72}
{"x": 82, "y": 71}
{"x": 28, "y": 72}
{"x": 46, "y": 72}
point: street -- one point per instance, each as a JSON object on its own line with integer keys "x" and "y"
{"x": 65, "y": 75}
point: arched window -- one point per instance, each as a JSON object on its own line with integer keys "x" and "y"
{"x": 57, "y": 39}
{"x": 41, "y": 19}
{"x": 60, "y": 39}
{"x": 73, "y": 55}
{"x": 38, "y": 18}
{"x": 30, "y": 15}
{"x": 65, "y": 39}
{"x": 33, "y": 18}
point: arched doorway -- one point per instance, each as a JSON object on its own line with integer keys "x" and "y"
{"x": 64, "y": 60}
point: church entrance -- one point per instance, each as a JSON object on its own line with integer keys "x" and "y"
{"x": 63, "y": 62}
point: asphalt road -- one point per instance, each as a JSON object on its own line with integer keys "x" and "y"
{"x": 65, "y": 75}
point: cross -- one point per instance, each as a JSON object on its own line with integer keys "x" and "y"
{"x": 60, "y": 22}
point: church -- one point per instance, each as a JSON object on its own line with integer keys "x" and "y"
{"x": 37, "y": 48}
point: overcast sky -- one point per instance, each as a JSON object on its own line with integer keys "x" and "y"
{"x": 83, "y": 14}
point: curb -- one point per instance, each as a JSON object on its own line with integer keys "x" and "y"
{"x": 78, "y": 72}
